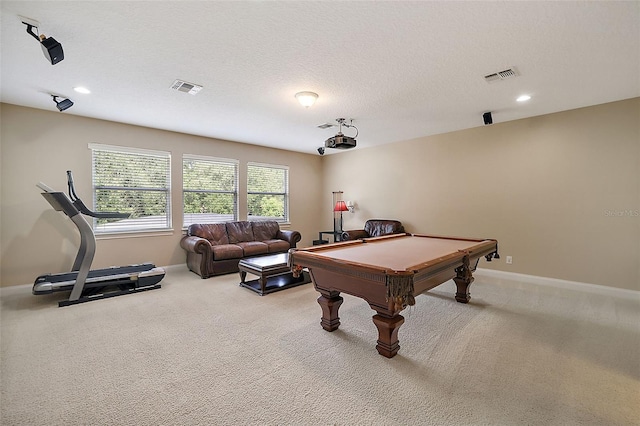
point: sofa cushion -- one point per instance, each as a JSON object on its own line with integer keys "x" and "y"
{"x": 277, "y": 246}
{"x": 265, "y": 230}
{"x": 239, "y": 232}
{"x": 216, "y": 233}
{"x": 226, "y": 251}
{"x": 253, "y": 248}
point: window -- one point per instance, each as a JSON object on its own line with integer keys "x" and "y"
{"x": 267, "y": 192}
{"x": 210, "y": 190}
{"x": 135, "y": 181}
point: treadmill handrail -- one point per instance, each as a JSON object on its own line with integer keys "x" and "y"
{"x": 79, "y": 204}
{"x": 99, "y": 215}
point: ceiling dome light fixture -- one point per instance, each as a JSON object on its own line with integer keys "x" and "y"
{"x": 523, "y": 98}
{"x": 306, "y": 99}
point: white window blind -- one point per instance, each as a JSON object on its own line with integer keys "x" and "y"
{"x": 134, "y": 181}
{"x": 210, "y": 189}
{"x": 267, "y": 192}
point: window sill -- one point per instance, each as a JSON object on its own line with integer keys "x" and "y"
{"x": 134, "y": 234}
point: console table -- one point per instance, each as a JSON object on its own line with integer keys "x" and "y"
{"x": 336, "y": 237}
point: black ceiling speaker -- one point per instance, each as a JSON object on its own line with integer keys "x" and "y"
{"x": 50, "y": 47}
{"x": 63, "y": 104}
{"x": 487, "y": 118}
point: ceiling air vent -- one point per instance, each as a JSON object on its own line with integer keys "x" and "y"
{"x": 183, "y": 86}
{"x": 501, "y": 75}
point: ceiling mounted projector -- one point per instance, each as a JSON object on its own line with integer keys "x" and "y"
{"x": 341, "y": 141}
{"x": 50, "y": 47}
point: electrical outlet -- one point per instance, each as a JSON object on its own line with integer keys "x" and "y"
{"x": 509, "y": 260}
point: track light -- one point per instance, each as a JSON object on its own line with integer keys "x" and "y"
{"x": 487, "y": 118}
{"x": 50, "y": 47}
{"x": 63, "y": 104}
{"x": 321, "y": 150}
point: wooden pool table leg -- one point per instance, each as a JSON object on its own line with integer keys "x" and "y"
{"x": 463, "y": 281}
{"x": 330, "y": 302}
{"x": 388, "y": 344}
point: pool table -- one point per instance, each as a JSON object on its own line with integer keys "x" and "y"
{"x": 388, "y": 272}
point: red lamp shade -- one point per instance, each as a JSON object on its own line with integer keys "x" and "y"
{"x": 341, "y": 206}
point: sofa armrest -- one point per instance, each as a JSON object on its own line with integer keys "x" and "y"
{"x": 354, "y": 234}
{"x": 292, "y": 237}
{"x": 195, "y": 244}
{"x": 199, "y": 254}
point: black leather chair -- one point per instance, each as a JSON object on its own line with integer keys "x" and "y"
{"x": 374, "y": 228}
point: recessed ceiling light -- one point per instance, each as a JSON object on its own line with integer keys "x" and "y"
{"x": 81, "y": 89}
{"x": 523, "y": 98}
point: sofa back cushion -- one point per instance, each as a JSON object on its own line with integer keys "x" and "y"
{"x": 239, "y": 232}
{"x": 265, "y": 230}
{"x": 378, "y": 227}
{"x": 216, "y": 233}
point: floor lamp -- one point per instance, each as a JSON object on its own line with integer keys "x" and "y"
{"x": 340, "y": 206}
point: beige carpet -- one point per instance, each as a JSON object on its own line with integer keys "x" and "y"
{"x": 208, "y": 352}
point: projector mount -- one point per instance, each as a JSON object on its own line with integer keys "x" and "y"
{"x": 342, "y": 122}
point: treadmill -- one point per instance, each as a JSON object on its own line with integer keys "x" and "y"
{"x": 86, "y": 284}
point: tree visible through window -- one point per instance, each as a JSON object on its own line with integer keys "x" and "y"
{"x": 134, "y": 181}
{"x": 267, "y": 192}
{"x": 210, "y": 190}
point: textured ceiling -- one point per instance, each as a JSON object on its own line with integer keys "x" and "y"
{"x": 400, "y": 69}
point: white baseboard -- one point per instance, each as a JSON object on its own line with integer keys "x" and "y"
{"x": 529, "y": 279}
{"x": 555, "y": 282}
{"x": 175, "y": 267}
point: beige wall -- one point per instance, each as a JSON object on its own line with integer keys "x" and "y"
{"x": 561, "y": 192}
{"x": 39, "y": 145}
{"x": 555, "y": 190}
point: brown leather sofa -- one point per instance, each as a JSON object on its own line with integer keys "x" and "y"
{"x": 374, "y": 228}
{"x": 216, "y": 248}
